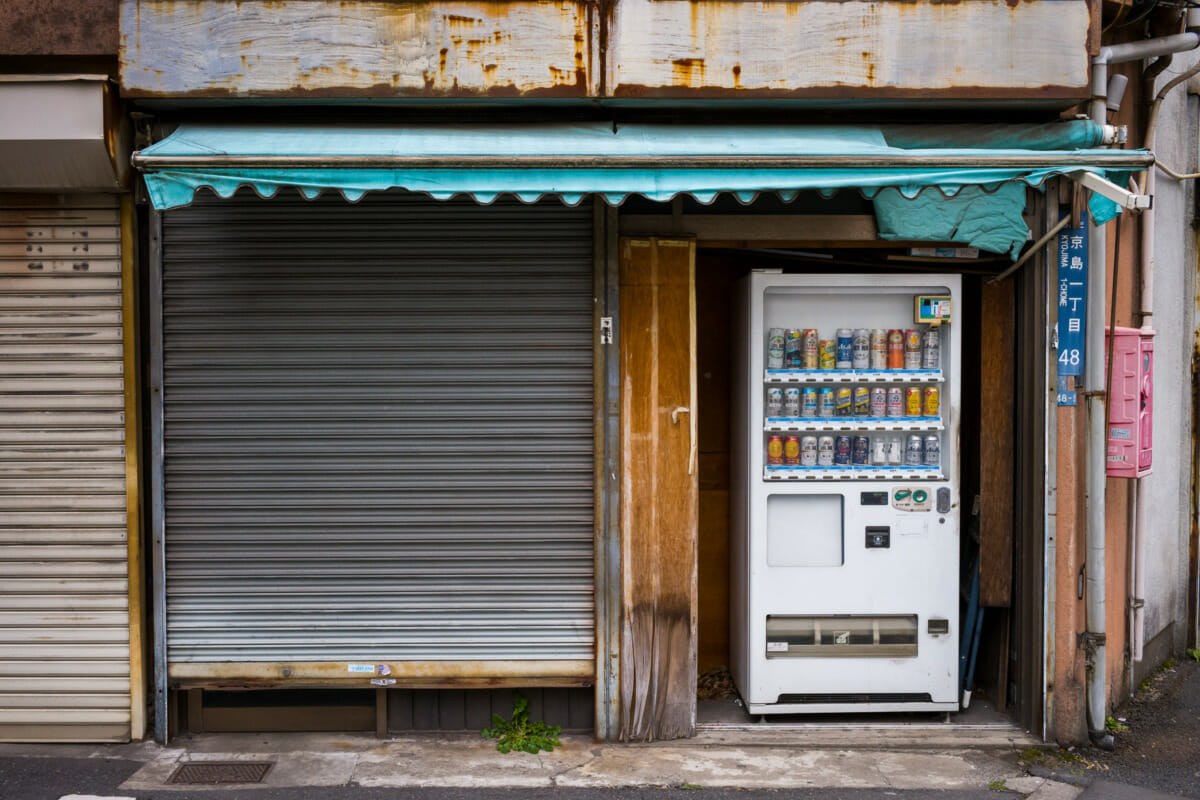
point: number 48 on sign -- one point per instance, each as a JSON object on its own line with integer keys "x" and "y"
{"x": 1072, "y": 306}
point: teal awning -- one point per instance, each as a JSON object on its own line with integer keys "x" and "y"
{"x": 659, "y": 162}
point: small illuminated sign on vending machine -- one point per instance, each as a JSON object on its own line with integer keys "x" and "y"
{"x": 1072, "y": 308}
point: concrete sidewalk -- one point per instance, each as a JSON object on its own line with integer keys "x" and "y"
{"x": 831, "y": 757}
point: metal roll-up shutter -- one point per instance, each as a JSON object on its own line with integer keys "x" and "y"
{"x": 378, "y": 431}
{"x": 64, "y": 597}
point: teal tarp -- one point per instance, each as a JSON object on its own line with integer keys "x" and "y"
{"x": 988, "y": 216}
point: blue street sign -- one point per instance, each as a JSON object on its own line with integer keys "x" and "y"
{"x": 1072, "y": 299}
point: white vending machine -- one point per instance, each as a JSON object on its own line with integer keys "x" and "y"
{"x": 845, "y": 493}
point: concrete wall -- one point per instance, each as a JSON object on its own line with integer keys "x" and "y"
{"x": 58, "y": 27}
{"x": 1168, "y": 488}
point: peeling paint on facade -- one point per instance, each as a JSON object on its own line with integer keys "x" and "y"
{"x": 318, "y": 47}
{"x": 688, "y": 49}
{"x": 793, "y": 47}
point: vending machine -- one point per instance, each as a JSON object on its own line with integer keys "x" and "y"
{"x": 845, "y": 493}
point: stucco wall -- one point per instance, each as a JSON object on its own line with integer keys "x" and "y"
{"x": 1167, "y": 489}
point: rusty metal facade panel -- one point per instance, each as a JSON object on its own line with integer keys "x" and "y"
{"x": 326, "y": 48}
{"x": 64, "y": 604}
{"x": 59, "y": 28}
{"x": 661, "y": 48}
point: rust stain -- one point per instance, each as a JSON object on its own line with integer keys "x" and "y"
{"x": 455, "y": 19}
{"x": 737, "y": 75}
{"x": 688, "y": 71}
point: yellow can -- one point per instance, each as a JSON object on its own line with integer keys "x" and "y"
{"x": 912, "y": 402}
{"x": 933, "y": 397}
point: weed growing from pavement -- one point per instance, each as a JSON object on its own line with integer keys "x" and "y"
{"x": 1193, "y": 653}
{"x": 1114, "y": 725}
{"x": 998, "y": 786}
{"x": 519, "y": 734}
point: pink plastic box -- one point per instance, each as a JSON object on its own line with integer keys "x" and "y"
{"x": 1131, "y": 403}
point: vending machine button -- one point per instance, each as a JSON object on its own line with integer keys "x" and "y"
{"x": 920, "y": 496}
{"x": 943, "y": 500}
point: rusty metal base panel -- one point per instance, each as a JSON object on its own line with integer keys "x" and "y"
{"x": 214, "y": 772}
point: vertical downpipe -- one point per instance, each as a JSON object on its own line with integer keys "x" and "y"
{"x": 1094, "y": 644}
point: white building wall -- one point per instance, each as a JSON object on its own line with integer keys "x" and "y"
{"x": 1168, "y": 488}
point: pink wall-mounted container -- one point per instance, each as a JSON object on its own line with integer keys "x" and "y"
{"x": 1131, "y": 403}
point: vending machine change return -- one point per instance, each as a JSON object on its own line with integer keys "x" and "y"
{"x": 845, "y": 493}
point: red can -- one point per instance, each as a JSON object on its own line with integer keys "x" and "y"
{"x": 895, "y": 349}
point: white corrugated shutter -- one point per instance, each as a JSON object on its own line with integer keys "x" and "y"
{"x": 64, "y": 596}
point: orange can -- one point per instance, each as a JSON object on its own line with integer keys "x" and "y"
{"x": 895, "y": 349}
{"x": 775, "y": 451}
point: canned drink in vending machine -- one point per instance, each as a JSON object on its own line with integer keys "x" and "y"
{"x": 827, "y": 358}
{"x": 912, "y": 349}
{"x": 791, "y": 402}
{"x": 774, "y": 401}
{"x": 775, "y": 451}
{"x": 776, "y": 338}
{"x": 933, "y": 398}
{"x": 860, "y": 349}
{"x": 931, "y": 349}
{"x": 811, "y": 349}
{"x": 895, "y": 402}
{"x": 845, "y": 349}
{"x": 879, "y": 451}
{"x": 791, "y": 452}
{"x": 895, "y": 357}
{"x": 860, "y": 451}
{"x": 895, "y": 451}
{"x": 842, "y": 402}
{"x": 825, "y": 451}
{"x": 826, "y": 408}
{"x": 933, "y": 451}
{"x": 808, "y": 401}
{"x": 879, "y": 400}
{"x": 862, "y": 401}
{"x": 879, "y": 349}
{"x": 793, "y": 349}
{"x": 808, "y": 451}
{"x": 913, "y": 452}
{"x": 841, "y": 451}
{"x": 912, "y": 402}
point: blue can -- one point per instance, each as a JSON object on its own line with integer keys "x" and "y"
{"x": 841, "y": 452}
{"x": 845, "y": 348}
{"x": 860, "y": 451}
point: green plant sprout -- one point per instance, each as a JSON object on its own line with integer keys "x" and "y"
{"x": 519, "y": 734}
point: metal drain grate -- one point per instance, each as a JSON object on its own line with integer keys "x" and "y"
{"x": 212, "y": 772}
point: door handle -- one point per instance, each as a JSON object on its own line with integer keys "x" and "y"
{"x": 691, "y": 436}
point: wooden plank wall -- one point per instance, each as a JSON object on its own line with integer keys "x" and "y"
{"x": 659, "y": 489}
{"x": 996, "y": 446}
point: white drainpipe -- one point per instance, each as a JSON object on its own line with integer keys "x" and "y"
{"x": 1094, "y": 383}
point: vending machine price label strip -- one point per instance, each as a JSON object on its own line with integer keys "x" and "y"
{"x": 818, "y": 424}
{"x": 852, "y": 376}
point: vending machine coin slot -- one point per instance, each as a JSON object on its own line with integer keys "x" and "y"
{"x": 943, "y": 500}
{"x": 879, "y": 536}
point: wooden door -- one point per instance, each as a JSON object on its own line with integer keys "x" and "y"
{"x": 659, "y": 488}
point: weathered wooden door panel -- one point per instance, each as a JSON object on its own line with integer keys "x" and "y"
{"x": 660, "y": 489}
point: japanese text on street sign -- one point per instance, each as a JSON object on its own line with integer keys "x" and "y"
{"x": 1072, "y": 299}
